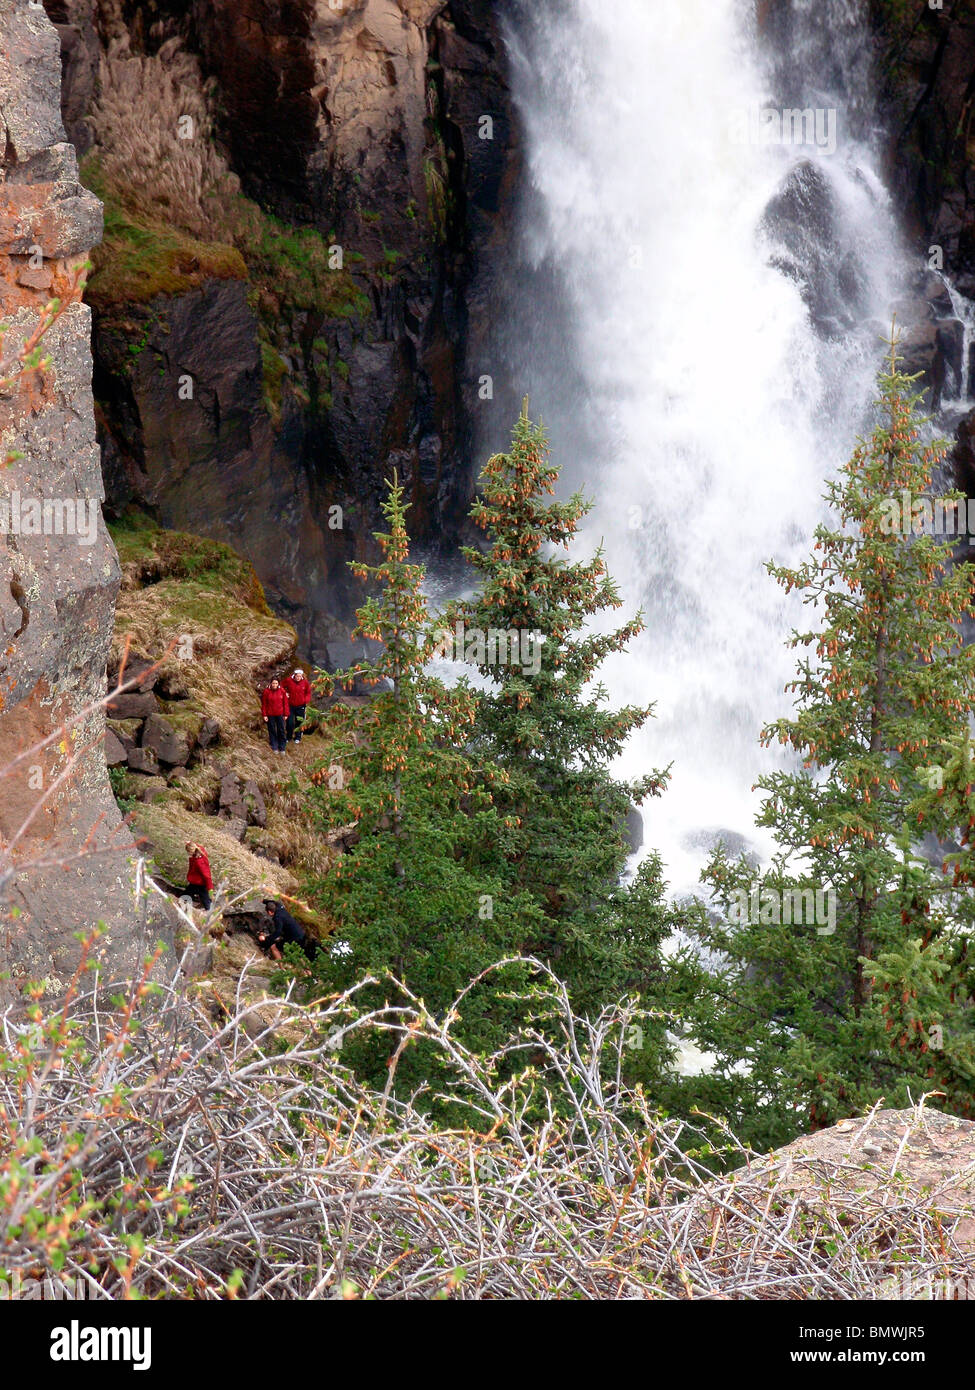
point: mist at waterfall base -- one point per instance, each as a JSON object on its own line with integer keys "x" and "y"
{"x": 697, "y": 315}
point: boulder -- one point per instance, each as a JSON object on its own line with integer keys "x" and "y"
{"x": 802, "y": 224}
{"x": 234, "y": 825}
{"x": 127, "y": 731}
{"x": 171, "y": 746}
{"x": 139, "y": 786}
{"x": 139, "y": 677}
{"x": 198, "y": 959}
{"x": 150, "y": 789}
{"x": 209, "y": 733}
{"x": 951, "y": 345}
{"x": 196, "y": 787}
{"x": 343, "y": 838}
{"x": 232, "y": 802}
{"x": 246, "y": 919}
{"x": 931, "y": 286}
{"x": 143, "y": 760}
{"x": 263, "y": 844}
{"x": 132, "y": 705}
{"x": 115, "y": 752}
{"x": 254, "y": 801}
{"x": 934, "y": 347}
{"x": 930, "y": 1152}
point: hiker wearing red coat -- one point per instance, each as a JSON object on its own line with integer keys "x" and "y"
{"x": 298, "y": 688}
{"x": 199, "y": 879}
{"x": 275, "y": 707}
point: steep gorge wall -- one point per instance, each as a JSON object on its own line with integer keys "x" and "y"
{"x": 927, "y": 71}
{"x": 927, "y": 66}
{"x": 363, "y": 123}
{"x": 65, "y": 860}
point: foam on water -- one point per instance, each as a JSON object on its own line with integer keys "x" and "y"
{"x": 698, "y": 321}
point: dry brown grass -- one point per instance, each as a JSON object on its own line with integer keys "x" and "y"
{"x": 162, "y": 178}
{"x": 234, "y": 650}
{"x": 167, "y": 828}
{"x": 198, "y": 787}
{"x": 299, "y": 843}
{"x": 183, "y": 595}
{"x": 222, "y": 635}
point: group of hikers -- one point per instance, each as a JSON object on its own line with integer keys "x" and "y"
{"x": 283, "y": 705}
{"x": 280, "y": 929}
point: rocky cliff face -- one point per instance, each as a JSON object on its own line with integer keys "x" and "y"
{"x": 928, "y": 74}
{"x": 927, "y": 61}
{"x": 381, "y": 128}
{"x": 64, "y": 863}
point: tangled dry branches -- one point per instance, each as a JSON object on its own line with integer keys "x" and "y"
{"x": 145, "y": 1150}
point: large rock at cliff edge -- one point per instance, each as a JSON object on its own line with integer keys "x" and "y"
{"x": 74, "y": 863}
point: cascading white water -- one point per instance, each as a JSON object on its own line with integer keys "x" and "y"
{"x": 699, "y": 323}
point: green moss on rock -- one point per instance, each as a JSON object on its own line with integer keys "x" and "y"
{"x": 137, "y": 261}
{"x": 154, "y": 555}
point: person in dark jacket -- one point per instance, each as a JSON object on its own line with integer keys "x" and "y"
{"x": 298, "y": 688}
{"x": 275, "y": 708}
{"x": 282, "y": 930}
{"x": 199, "y": 879}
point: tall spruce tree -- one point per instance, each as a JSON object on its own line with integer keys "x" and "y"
{"x": 420, "y": 894}
{"x": 542, "y": 719}
{"x": 815, "y": 1020}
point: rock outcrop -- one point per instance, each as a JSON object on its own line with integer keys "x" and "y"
{"x": 66, "y": 862}
{"x": 213, "y": 463}
{"x": 930, "y": 1153}
{"x": 853, "y": 1211}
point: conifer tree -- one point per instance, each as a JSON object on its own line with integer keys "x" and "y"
{"x": 815, "y": 1020}
{"x": 543, "y": 720}
{"x": 929, "y": 982}
{"x": 419, "y": 895}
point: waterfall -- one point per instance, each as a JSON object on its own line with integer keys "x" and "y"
{"x": 698, "y": 317}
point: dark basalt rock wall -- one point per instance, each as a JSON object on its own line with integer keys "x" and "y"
{"x": 366, "y": 122}
{"x": 927, "y": 66}
{"x": 927, "y": 62}
{"x": 213, "y": 464}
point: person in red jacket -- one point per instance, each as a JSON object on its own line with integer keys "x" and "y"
{"x": 199, "y": 879}
{"x": 298, "y": 687}
{"x": 275, "y": 708}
